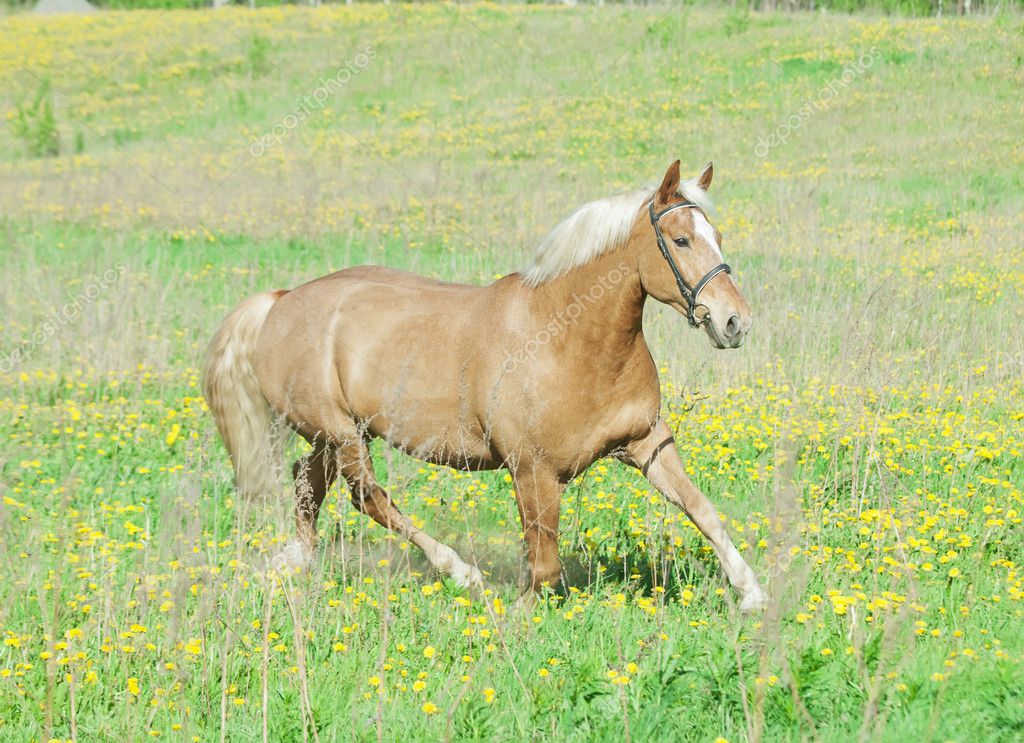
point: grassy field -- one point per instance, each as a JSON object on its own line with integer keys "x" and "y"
{"x": 865, "y": 446}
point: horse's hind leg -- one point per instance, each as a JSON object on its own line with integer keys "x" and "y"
{"x": 370, "y": 498}
{"x": 314, "y": 474}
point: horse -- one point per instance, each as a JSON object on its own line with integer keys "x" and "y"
{"x": 542, "y": 372}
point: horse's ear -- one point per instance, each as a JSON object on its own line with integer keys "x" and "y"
{"x": 670, "y": 185}
{"x": 704, "y": 179}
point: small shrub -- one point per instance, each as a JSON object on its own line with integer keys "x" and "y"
{"x": 737, "y": 22}
{"x": 259, "y": 56}
{"x": 36, "y": 126}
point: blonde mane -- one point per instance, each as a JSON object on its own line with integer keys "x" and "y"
{"x": 596, "y": 227}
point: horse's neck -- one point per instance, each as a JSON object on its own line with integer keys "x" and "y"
{"x": 598, "y": 306}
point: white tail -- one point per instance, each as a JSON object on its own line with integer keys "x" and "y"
{"x": 232, "y": 391}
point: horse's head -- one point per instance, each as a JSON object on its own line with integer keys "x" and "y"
{"x": 681, "y": 264}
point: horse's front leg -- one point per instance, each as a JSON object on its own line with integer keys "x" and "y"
{"x": 657, "y": 457}
{"x": 539, "y": 498}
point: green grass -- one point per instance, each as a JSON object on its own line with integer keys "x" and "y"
{"x": 879, "y": 245}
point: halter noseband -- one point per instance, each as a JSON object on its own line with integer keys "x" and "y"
{"x": 689, "y": 293}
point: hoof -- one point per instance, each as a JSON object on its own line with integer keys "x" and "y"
{"x": 753, "y": 602}
{"x": 524, "y": 604}
{"x": 463, "y": 574}
{"x": 296, "y": 555}
{"x": 467, "y": 576}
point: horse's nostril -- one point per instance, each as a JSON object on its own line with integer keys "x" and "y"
{"x": 732, "y": 328}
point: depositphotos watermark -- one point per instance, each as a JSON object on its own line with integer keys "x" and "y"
{"x": 565, "y": 318}
{"x": 817, "y": 102}
{"x": 312, "y": 102}
{"x": 61, "y": 317}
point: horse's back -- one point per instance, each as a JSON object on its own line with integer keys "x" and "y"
{"x": 384, "y": 279}
{"x": 373, "y": 344}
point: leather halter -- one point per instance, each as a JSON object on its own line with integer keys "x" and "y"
{"x": 689, "y": 293}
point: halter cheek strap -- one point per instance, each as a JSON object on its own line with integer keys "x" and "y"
{"x": 689, "y": 293}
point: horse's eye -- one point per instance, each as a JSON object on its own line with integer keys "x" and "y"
{"x": 682, "y": 242}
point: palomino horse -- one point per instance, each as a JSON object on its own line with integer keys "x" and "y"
{"x": 543, "y": 372}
